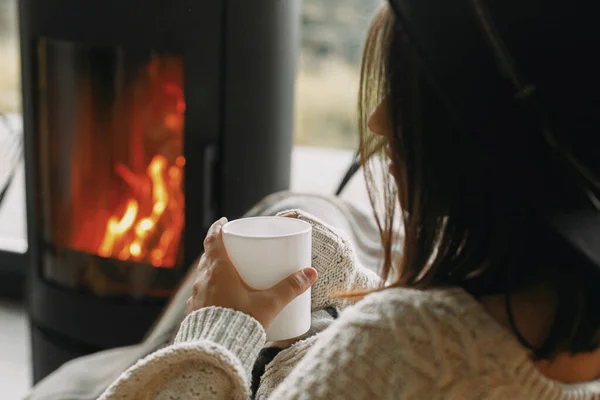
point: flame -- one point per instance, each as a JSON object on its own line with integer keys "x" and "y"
{"x": 159, "y": 192}
{"x": 147, "y": 223}
{"x": 117, "y": 228}
{"x": 125, "y": 243}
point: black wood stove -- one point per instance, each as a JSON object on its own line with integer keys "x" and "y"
{"x": 145, "y": 120}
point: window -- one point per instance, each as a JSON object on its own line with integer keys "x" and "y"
{"x": 333, "y": 32}
{"x": 10, "y": 82}
{"x": 326, "y": 138}
{"x": 13, "y": 232}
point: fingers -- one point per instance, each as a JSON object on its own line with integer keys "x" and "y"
{"x": 189, "y": 305}
{"x": 214, "y": 241}
{"x": 218, "y": 265}
{"x": 201, "y": 268}
{"x": 288, "y": 214}
{"x": 291, "y": 287}
{"x": 214, "y": 265}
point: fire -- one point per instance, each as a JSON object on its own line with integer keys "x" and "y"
{"x": 118, "y": 228}
{"x": 134, "y": 236}
{"x": 144, "y": 223}
{"x": 126, "y": 197}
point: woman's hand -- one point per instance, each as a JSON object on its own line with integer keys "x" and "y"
{"x": 218, "y": 284}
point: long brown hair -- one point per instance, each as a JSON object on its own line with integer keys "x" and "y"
{"x": 469, "y": 219}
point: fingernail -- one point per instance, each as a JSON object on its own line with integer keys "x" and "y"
{"x": 311, "y": 274}
{"x": 223, "y": 220}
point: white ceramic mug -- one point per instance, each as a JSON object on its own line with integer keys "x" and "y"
{"x": 265, "y": 251}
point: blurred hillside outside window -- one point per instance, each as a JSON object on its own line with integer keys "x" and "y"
{"x": 333, "y": 32}
{"x": 10, "y": 73}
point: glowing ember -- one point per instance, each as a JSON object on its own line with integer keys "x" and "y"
{"x": 118, "y": 228}
{"x": 125, "y": 243}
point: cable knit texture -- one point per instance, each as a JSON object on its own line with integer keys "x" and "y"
{"x": 409, "y": 344}
{"x": 394, "y": 344}
{"x": 243, "y": 336}
{"x": 212, "y": 357}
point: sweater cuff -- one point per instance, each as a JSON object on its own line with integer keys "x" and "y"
{"x": 239, "y": 333}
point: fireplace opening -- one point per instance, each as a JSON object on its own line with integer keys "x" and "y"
{"x": 111, "y": 167}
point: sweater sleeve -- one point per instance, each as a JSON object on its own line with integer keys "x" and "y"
{"x": 211, "y": 358}
{"x": 335, "y": 260}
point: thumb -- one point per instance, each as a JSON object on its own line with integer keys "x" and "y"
{"x": 292, "y": 286}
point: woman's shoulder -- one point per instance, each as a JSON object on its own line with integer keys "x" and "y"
{"x": 434, "y": 322}
{"x": 405, "y": 343}
{"x": 398, "y": 303}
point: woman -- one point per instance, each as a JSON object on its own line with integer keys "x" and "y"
{"x": 488, "y": 116}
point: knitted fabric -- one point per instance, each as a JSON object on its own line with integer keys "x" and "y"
{"x": 335, "y": 261}
{"x": 393, "y": 344}
{"x": 264, "y": 377}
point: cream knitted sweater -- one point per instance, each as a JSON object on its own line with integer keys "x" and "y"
{"x": 395, "y": 344}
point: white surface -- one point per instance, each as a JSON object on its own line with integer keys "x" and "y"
{"x": 13, "y": 225}
{"x": 265, "y": 228}
{"x": 320, "y": 170}
{"x": 266, "y": 250}
{"x": 14, "y": 351}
